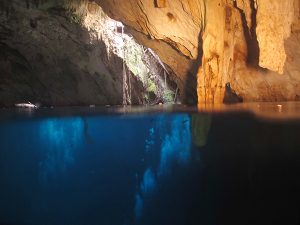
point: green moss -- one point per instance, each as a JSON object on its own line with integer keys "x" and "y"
{"x": 168, "y": 95}
{"x": 134, "y": 59}
{"x": 77, "y": 10}
{"x": 151, "y": 87}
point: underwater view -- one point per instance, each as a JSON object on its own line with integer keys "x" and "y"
{"x": 151, "y": 168}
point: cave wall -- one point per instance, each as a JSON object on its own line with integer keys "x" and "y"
{"x": 250, "y": 48}
{"x": 171, "y": 29}
{"x": 218, "y": 50}
{"x": 48, "y": 57}
{"x": 237, "y": 49}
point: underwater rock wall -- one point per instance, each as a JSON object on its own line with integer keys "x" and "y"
{"x": 243, "y": 49}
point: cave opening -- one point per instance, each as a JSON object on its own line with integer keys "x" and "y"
{"x": 77, "y": 55}
{"x": 139, "y": 63}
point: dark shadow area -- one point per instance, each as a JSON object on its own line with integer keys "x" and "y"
{"x": 6, "y": 7}
{"x": 190, "y": 89}
{"x": 251, "y": 37}
{"x": 230, "y": 97}
{"x": 250, "y": 34}
{"x": 251, "y": 172}
{"x": 160, "y": 3}
{"x": 51, "y": 60}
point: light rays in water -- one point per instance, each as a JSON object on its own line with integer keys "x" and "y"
{"x": 173, "y": 136}
{"x": 61, "y": 138}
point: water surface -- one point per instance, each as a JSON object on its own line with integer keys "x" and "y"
{"x": 74, "y": 167}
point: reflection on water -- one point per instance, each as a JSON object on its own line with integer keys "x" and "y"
{"x": 60, "y": 138}
{"x": 200, "y": 126}
{"x": 161, "y": 169}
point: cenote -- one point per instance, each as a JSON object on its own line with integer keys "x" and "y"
{"x": 124, "y": 166}
{"x": 149, "y": 112}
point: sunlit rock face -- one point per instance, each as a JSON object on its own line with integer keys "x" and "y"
{"x": 250, "y": 48}
{"x": 171, "y": 29}
{"x": 243, "y": 49}
{"x": 273, "y": 29}
{"x": 176, "y": 22}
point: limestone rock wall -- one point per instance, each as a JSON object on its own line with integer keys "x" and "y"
{"x": 237, "y": 49}
{"x": 274, "y": 22}
{"x": 170, "y": 28}
{"x": 250, "y": 49}
{"x": 217, "y": 50}
{"x": 177, "y": 22}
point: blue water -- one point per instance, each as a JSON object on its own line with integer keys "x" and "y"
{"x": 152, "y": 169}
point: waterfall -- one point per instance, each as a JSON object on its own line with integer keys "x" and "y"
{"x": 126, "y": 86}
{"x": 126, "y": 76}
{"x": 158, "y": 60}
{"x": 140, "y": 65}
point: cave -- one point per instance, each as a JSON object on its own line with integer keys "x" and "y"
{"x": 195, "y": 54}
{"x": 149, "y": 112}
{"x": 87, "y": 59}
